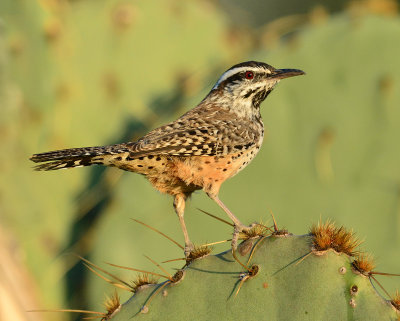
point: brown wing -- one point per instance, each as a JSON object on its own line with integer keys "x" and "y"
{"x": 214, "y": 132}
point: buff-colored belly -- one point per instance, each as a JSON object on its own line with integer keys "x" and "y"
{"x": 175, "y": 175}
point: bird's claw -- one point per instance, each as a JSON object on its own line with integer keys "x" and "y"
{"x": 189, "y": 247}
{"x": 236, "y": 232}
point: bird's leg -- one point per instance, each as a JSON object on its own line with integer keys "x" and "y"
{"x": 179, "y": 206}
{"x": 239, "y": 226}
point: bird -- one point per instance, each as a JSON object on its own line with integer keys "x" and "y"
{"x": 198, "y": 151}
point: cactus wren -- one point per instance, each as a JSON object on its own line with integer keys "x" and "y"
{"x": 200, "y": 150}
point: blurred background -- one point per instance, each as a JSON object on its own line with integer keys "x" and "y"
{"x": 79, "y": 73}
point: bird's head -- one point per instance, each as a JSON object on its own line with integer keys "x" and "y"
{"x": 247, "y": 84}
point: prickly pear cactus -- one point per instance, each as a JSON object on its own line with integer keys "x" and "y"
{"x": 318, "y": 276}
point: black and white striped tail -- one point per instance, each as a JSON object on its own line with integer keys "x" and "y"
{"x": 74, "y": 157}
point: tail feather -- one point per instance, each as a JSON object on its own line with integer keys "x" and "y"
{"x": 75, "y": 152}
{"x": 60, "y": 164}
{"x": 74, "y": 157}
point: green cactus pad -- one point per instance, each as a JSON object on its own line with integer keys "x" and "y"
{"x": 289, "y": 285}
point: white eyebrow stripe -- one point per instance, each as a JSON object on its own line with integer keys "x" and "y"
{"x": 233, "y": 71}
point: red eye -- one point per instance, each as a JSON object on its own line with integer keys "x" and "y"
{"x": 249, "y": 75}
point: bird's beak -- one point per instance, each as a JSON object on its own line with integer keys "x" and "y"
{"x": 286, "y": 73}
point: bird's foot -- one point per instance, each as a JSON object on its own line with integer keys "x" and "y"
{"x": 246, "y": 228}
{"x": 250, "y": 231}
{"x": 194, "y": 252}
{"x": 189, "y": 248}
